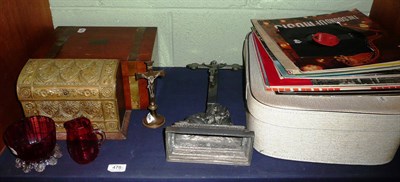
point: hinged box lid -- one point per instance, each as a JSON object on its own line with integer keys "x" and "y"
{"x": 68, "y": 79}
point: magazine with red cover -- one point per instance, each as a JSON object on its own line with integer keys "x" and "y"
{"x": 372, "y": 75}
{"x": 326, "y": 43}
{"x": 273, "y": 82}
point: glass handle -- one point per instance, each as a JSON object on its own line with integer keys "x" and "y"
{"x": 101, "y": 134}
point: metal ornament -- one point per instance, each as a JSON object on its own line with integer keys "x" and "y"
{"x": 152, "y": 119}
{"x": 210, "y": 137}
{"x": 215, "y": 112}
{"x": 213, "y": 68}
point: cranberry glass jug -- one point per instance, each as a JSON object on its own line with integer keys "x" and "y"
{"x": 82, "y": 140}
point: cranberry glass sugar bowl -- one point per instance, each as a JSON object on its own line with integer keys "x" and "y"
{"x": 33, "y": 141}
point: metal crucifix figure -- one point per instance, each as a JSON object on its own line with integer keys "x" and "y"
{"x": 209, "y": 137}
{"x": 152, "y": 119}
{"x": 215, "y": 113}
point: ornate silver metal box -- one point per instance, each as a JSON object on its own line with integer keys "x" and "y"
{"x": 210, "y": 144}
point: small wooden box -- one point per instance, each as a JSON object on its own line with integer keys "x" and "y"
{"x": 132, "y": 45}
{"x": 64, "y": 89}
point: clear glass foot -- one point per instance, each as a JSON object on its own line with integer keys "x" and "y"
{"x": 39, "y": 166}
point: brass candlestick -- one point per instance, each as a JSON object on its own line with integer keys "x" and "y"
{"x": 152, "y": 119}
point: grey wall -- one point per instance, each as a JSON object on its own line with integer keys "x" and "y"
{"x": 193, "y": 30}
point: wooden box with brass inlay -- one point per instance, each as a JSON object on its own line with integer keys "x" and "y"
{"x": 133, "y": 46}
{"x": 64, "y": 89}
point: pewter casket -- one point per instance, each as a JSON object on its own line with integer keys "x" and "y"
{"x": 210, "y": 144}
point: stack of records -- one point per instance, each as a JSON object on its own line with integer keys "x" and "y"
{"x": 324, "y": 89}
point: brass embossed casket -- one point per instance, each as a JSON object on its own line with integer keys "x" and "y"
{"x": 133, "y": 46}
{"x": 64, "y": 89}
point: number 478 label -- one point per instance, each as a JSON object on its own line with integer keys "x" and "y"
{"x": 116, "y": 167}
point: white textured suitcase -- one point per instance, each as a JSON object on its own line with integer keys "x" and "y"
{"x": 340, "y": 129}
